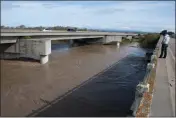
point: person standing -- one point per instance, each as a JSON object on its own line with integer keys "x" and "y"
{"x": 165, "y": 43}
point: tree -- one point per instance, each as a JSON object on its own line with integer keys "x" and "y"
{"x": 171, "y": 33}
{"x": 2, "y": 27}
{"x": 21, "y": 26}
{"x": 139, "y": 35}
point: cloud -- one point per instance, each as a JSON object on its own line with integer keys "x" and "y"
{"x": 126, "y": 27}
{"x": 8, "y": 6}
{"x": 108, "y": 11}
{"x": 130, "y": 15}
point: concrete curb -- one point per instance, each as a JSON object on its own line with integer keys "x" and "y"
{"x": 171, "y": 54}
{"x": 169, "y": 82}
{"x": 144, "y": 106}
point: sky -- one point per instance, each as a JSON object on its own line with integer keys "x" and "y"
{"x": 151, "y": 16}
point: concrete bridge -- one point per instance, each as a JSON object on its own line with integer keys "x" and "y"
{"x": 37, "y": 45}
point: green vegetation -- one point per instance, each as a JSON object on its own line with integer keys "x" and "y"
{"x": 145, "y": 41}
{"x": 149, "y": 40}
{"x": 172, "y": 34}
{"x": 27, "y": 37}
{"x": 125, "y": 40}
{"x": 48, "y": 28}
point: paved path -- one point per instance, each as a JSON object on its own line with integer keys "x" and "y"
{"x": 164, "y": 94}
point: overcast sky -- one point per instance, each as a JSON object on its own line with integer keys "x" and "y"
{"x": 127, "y": 15}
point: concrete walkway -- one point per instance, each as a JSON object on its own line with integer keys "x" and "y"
{"x": 164, "y": 94}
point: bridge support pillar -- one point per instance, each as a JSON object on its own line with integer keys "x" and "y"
{"x": 29, "y": 48}
{"x": 71, "y": 43}
{"x": 44, "y": 59}
{"x": 110, "y": 39}
{"x": 118, "y": 44}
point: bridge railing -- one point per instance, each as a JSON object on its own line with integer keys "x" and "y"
{"x": 144, "y": 90}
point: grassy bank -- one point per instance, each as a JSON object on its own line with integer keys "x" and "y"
{"x": 126, "y": 41}
{"x": 149, "y": 40}
{"x": 145, "y": 41}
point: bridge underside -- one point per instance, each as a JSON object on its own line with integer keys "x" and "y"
{"x": 40, "y": 48}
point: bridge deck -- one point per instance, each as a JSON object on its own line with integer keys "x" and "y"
{"x": 65, "y": 34}
{"x": 58, "y": 38}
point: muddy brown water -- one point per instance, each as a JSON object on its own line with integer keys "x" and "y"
{"x": 109, "y": 75}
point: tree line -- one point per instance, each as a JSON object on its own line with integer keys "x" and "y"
{"x": 48, "y": 28}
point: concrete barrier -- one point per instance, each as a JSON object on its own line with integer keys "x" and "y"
{"x": 144, "y": 90}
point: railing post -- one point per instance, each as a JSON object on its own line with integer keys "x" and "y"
{"x": 142, "y": 88}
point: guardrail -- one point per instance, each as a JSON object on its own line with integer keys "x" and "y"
{"x": 144, "y": 90}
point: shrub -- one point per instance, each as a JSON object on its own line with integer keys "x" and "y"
{"x": 27, "y": 37}
{"x": 149, "y": 40}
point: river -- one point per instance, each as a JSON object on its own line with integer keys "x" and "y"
{"x": 89, "y": 80}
